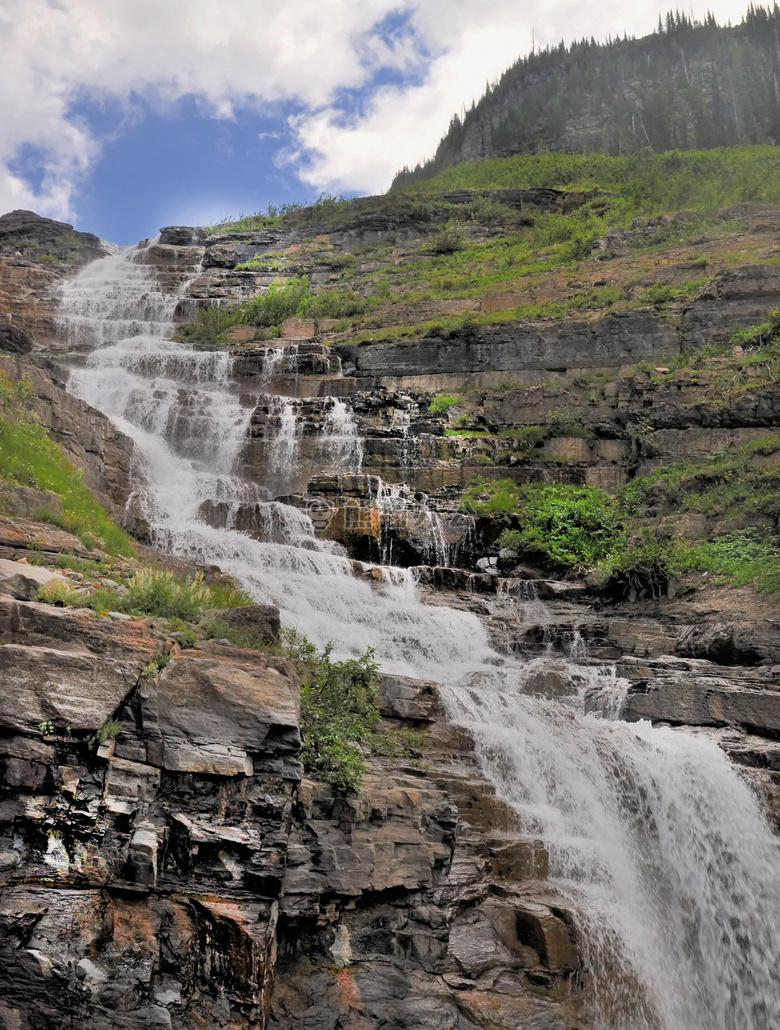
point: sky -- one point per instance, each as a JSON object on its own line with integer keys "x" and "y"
{"x": 122, "y": 116}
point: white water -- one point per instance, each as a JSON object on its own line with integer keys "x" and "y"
{"x": 655, "y": 839}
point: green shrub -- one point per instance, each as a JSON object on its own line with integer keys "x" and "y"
{"x": 159, "y": 592}
{"x": 339, "y": 712}
{"x": 566, "y": 420}
{"x": 644, "y": 566}
{"x": 442, "y": 402}
{"x": 107, "y": 731}
{"x": 569, "y": 527}
{"x": 759, "y": 335}
{"x": 296, "y": 299}
{"x": 658, "y": 294}
{"x": 280, "y": 301}
{"x": 210, "y": 325}
{"x": 450, "y": 240}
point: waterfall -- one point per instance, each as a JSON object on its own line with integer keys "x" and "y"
{"x": 655, "y": 839}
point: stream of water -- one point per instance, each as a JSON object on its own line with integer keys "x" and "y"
{"x": 654, "y": 837}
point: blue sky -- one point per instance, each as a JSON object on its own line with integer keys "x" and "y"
{"x": 125, "y": 115}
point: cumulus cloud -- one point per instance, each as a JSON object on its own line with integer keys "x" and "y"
{"x": 250, "y": 54}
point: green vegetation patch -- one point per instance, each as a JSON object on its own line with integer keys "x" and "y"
{"x": 29, "y": 456}
{"x": 442, "y": 402}
{"x": 340, "y": 719}
{"x": 743, "y": 481}
{"x": 296, "y": 298}
{"x": 156, "y": 592}
{"x": 569, "y": 529}
{"x": 566, "y": 527}
{"x": 696, "y": 180}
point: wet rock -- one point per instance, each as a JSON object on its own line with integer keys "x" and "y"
{"x": 734, "y": 299}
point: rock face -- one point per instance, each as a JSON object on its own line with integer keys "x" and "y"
{"x": 23, "y": 581}
{"x": 33, "y": 237}
{"x": 175, "y": 870}
{"x": 620, "y": 339}
{"x": 14, "y": 339}
{"x": 140, "y": 875}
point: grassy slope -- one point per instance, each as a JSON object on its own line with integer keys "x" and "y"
{"x": 544, "y": 270}
{"x": 29, "y": 456}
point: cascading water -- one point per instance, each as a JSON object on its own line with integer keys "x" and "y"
{"x": 340, "y": 444}
{"x": 654, "y": 838}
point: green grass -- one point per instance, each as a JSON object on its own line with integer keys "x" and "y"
{"x": 696, "y": 180}
{"x": 156, "y": 592}
{"x": 29, "y": 456}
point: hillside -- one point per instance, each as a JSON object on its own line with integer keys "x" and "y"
{"x": 689, "y": 85}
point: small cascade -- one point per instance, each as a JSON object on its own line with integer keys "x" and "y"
{"x": 278, "y": 361}
{"x": 340, "y": 443}
{"x": 285, "y": 445}
{"x": 577, "y": 645}
{"x": 410, "y": 523}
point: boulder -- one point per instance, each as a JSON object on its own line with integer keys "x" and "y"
{"x": 261, "y": 620}
{"x": 401, "y": 697}
{"x": 23, "y": 581}
{"x": 693, "y": 700}
{"x": 214, "y": 716}
{"x": 67, "y": 689}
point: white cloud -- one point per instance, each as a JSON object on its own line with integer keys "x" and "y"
{"x": 248, "y": 53}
